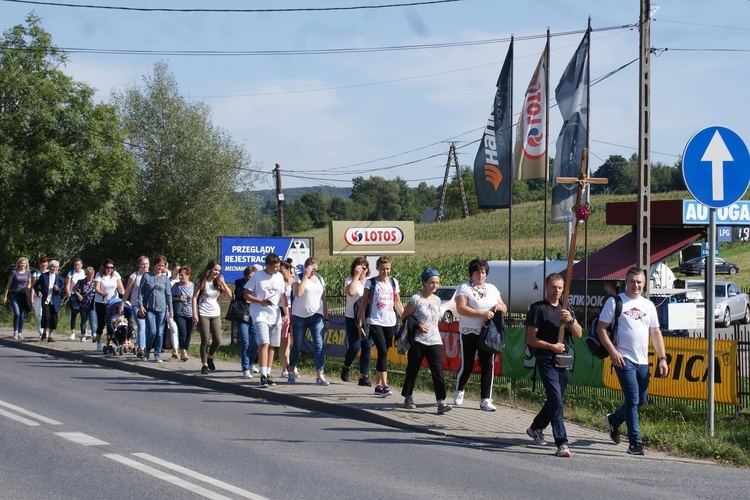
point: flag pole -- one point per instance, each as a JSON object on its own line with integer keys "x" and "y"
{"x": 588, "y": 186}
{"x": 546, "y": 162}
{"x": 511, "y": 169}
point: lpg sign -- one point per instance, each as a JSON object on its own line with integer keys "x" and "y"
{"x": 371, "y": 237}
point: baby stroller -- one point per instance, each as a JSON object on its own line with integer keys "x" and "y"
{"x": 119, "y": 330}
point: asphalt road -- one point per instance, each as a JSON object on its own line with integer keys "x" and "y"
{"x": 70, "y": 430}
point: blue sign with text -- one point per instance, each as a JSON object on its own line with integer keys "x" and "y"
{"x": 238, "y": 252}
{"x": 716, "y": 167}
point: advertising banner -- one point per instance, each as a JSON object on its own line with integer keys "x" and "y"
{"x": 238, "y": 252}
{"x": 371, "y": 237}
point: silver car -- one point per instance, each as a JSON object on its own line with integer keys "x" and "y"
{"x": 730, "y": 303}
{"x": 447, "y": 296}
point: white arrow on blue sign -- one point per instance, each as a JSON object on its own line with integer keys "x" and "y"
{"x": 716, "y": 167}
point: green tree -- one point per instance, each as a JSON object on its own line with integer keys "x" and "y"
{"x": 189, "y": 173}
{"x": 63, "y": 165}
{"x": 381, "y": 199}
{"x": 316, "y": 209}
{"x": 296, "y": 218}
{"x": 621, "y": 174}
{"x": 338, "y": 209}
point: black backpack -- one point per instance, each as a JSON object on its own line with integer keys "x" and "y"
{"x": 592, "y": 339}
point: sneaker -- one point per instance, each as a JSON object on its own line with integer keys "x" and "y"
{"x": 614, "y": 431}
{"x": 254, "y": 369}
{"x": 284, "y": 373}
{"x": 321, "y": 380}
{"x": 204, "y": 370}
{"x": 636, "y": 449}
{"x": 563, "y": 451}
{"x": 345, "y": 373}
{"x": 458, "y": 398}
{"x": 263, "y": 381}
{"x": 487, "y": 405}
{"x": 140, "y": 353}
{"x": 291, "y": 378}
{"x": 270, "y": 381}
{"x": 72, "y": 336}
{"x": 364, "y": 381}
{"x": 15, "y": 337}
{"x": 246, "y": 374}
{"x": 211, "y": 365}
{"x": 409, "y": 403}
{"x": 146, "y": 355}
{"x": 20, "y": 336}
{"x": 443, "y": 407}
{"x": 84, "y": 338}
{"x": 537, "y": 436}
{"x": 387, "y": 391}
{"x": 99, "y": 347}
{"x": 157, "y": 359}
{"x": 296, "y": 373}
{"x": 379, "y": 391}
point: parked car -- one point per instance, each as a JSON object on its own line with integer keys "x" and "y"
{"x": 730, "y": 303}
{"x": 447, "y": 295}
{"x": 697, "y": 265}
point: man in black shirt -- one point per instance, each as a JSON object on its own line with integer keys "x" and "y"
{"x": 542, "y": 328}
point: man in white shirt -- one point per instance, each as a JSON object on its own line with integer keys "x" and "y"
{"x": 636, "y": 323}
{"x": 265, "y": 292}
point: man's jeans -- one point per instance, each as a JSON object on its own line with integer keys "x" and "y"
{"x": 634, "y": 382}
{"x": 248, "y": 344}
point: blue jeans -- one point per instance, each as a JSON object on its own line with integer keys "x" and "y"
{"x": 154, "y": 329}
{"x": 354, "y": 345}
{"x": 299, "y": 327}
{"x": 555, "y": 382}
{"x": 88, "y": 316}
{"x": 248, "y": 344}
{"x": 184, "y": 330}
{"x": 140, "y": 324}
{"x": 634, "y": 382}
{"x": 18, "y": 315}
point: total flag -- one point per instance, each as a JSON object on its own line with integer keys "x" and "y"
{"x": 492, "y": 164}
{"x": 572, "y": 99}
{"x": 530, "y": 155}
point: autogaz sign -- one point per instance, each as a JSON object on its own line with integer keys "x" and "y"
{"x": 737, "y": 213}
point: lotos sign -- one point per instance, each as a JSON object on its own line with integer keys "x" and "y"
{"x": 371, "y": 237}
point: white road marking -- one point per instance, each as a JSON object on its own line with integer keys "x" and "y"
{"x": 15, "y": 417}
{"x": 199, "y": 476}
{"x": 81, "y": 438}
{"x": 165, "y": 477}
{"x": 31, "y": 414}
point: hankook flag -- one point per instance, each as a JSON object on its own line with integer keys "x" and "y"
{"x": 572, "y": 98}
{"x": 530, "y": 155}
{"x": 492, "y": 164}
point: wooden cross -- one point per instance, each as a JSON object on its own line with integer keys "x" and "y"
{"x": 582, "y": 182}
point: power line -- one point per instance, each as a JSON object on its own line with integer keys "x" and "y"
{"x": 296, "y": 9}
{"x": 703, "y": 25}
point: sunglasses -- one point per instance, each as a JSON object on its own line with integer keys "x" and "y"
{"x": 109, "y": 267}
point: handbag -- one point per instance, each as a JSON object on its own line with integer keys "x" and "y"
{"x": 492, "y": 335}
{"x": 564, "y": 360}
{"x": 238, "y": 311}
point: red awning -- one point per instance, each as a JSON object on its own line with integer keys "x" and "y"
{"x": 614, "y": 260}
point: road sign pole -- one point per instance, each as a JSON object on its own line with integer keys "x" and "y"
{"x": 710, "y": 289}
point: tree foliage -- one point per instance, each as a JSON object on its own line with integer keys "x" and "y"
{"x": 63, "y": 164}
{"x": 189, "y": 171}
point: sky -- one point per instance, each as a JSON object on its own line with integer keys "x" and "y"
{"x": 327, "y": 118}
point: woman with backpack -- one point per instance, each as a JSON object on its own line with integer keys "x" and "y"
{"x": 207, "y": 313}
{"x": 381, "y": 297}
{"x": 354, "y": 288}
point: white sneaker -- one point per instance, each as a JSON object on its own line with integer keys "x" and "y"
{"x": 247, "y": 374}
{"x": 487, "y": 405}
{"x": 72, "y": 336}
{"x": 98, "y": 346}
{"x": 254, "y": 369}
{"x": 458, "y": 398}
{"x": 321, "y": 380}
{"x": 284, "y": 373}
{"x": 296, "y": 373}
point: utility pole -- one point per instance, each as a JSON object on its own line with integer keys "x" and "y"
{"x": 441, "y": 206}
{"x": 280, "y": 199}
{"x": 643, "y": 227}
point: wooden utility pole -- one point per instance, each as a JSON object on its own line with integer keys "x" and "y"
{"x": 280, "y": 199}
{"x": 643, "y": 226}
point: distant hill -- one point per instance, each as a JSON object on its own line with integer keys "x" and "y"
{"x": 293, "y": 194}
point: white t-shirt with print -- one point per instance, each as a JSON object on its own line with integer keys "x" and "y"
{"x": 637, "y": 318}
{"x": 428, "y": 314}
{"x": 475, "y": 300}
{"x": 266, "y": 286}
{"x": 382, "y": 312}
{"x": 310, "y": 302}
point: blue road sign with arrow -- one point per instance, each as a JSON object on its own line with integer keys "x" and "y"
{"x": 716, "y": 167}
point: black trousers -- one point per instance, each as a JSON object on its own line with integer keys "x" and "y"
{"x": 382, "y": 337}
{"x": 469, "y": 350}
{"x": 434, "y": 354}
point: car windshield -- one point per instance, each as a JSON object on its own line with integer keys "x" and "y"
{"x": 445, "y": 293}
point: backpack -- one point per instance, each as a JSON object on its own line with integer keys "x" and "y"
{"x": 592, "y": 339}
{"x": 358, "y": 303}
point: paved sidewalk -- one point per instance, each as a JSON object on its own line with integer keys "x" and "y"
{"x": 504, "y": 428}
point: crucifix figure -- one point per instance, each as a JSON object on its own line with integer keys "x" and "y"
{"x": 582, "y": 180}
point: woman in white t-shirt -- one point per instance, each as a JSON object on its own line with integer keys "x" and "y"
{"x": 476, "y": 302}
{"x": 354, "y": 288}
{"x": 74, "y": 276}
{"x": 309, "y": 312}
{"x": 381, "y": 323}
{"x": 108, "y": 285}
{"x": 206, "y": 311}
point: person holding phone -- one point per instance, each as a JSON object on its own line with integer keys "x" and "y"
{"x": 354, "y": 287}
{"x": 637, "y": 322}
